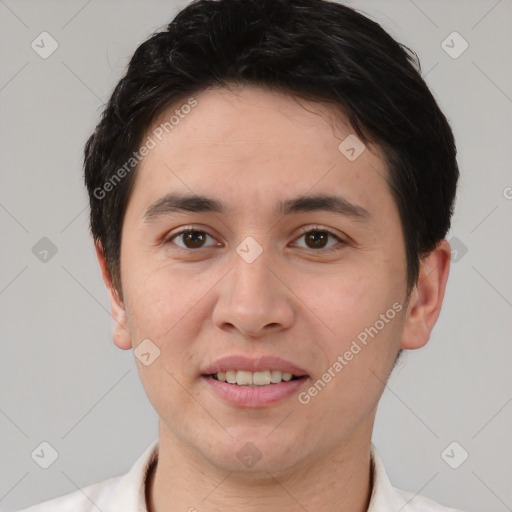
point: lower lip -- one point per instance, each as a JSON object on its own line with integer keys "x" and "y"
{"x": 245, "y": 396}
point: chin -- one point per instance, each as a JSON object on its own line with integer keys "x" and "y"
{"x": 256, "y": 450}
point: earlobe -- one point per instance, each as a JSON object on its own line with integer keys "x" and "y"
{"x": 121, "y": 335}
{"x": 122, "y": 338}
{"x": 427, "y": 297}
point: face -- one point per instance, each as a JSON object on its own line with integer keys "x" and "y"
{"x": 254, "y": 280}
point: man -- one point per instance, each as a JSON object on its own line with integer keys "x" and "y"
{"x": 270, "y": 188}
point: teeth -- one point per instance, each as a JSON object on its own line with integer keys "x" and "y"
{"x": 245, "y": 378}
{"x": 275, "y": 376}
{"x": 261, "y": 378}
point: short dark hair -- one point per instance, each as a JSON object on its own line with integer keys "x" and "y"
{"x": 317, "y": 50}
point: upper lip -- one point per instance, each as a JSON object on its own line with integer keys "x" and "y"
{"x": 252, "y": 364}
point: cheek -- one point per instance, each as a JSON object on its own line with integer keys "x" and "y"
{"x": 360, "y": 356}
{"x": 162, "y": 306}
{"x": 166, "y": 307}
{"x": 156, "y": 311}
{"x": 149, "y": 311}
{"x": 152, "y": 306}
{"x": 346, "y": 301}
{"x": 363, "y": 325}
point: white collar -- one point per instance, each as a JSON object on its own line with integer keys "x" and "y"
{"x": 129, "y": 494}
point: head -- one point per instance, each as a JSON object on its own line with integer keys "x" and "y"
{"x": 255, "y": 106}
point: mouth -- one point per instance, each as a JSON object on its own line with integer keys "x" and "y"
{"x": 248, "y": 382}
{"x": 254, "y": 379}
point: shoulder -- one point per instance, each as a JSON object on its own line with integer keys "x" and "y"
{"x": 119, "y": 493}
{"x": 417, "y": 503}
{"x": 88, "y": 499}
{"x": 386, "y": 497}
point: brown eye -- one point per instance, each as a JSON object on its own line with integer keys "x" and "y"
{"x": 191, "y": 238}
{"x": 194, "y": 239}
{"x": 317, "y": 239}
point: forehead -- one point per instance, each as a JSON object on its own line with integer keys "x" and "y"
{"x": 256, "y": 144}
{"x": 240, "y": 121}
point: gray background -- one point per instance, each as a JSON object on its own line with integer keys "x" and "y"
{"x": 62, "y": 379}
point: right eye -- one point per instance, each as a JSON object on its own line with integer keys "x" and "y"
{"x": 191, "y": 238}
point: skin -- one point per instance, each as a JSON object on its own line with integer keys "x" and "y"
{"x": 250, "y": 148}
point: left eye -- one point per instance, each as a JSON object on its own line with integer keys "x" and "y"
{"x": 318, "y": 237}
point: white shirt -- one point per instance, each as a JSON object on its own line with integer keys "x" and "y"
{"x": 126, "y": 493}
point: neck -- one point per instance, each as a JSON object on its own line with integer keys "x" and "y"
{"x": 182, "y": 480}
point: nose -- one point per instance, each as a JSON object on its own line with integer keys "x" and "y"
{"x": 254, "y": 298}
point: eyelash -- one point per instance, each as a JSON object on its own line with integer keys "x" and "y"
{"x": 303, "y": 232}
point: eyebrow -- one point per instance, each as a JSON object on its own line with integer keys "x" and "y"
{"x": 172, "y": 203}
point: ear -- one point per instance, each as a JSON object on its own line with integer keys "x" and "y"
{"x": 121, "y": 335}
{"x": 426, "y": 297}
